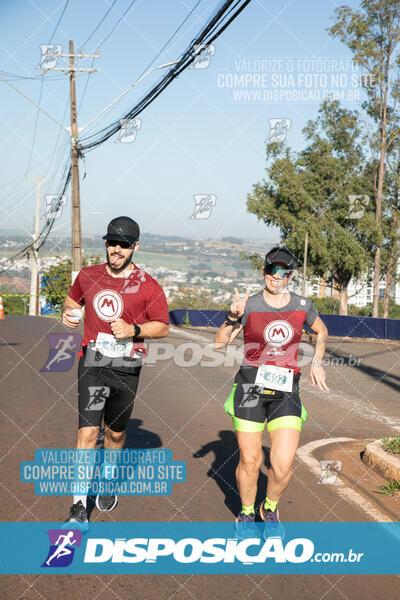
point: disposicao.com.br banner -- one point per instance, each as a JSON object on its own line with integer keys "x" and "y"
{"x": 201, "y": 548}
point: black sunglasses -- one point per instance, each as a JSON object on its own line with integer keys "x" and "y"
{"x": 123, "y": 245}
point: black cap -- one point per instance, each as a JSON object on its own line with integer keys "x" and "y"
{"x": 280, "y": 254}
{"x": 122, "y": 229}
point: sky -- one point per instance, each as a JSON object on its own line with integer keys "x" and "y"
{"x": 201, "y": 141}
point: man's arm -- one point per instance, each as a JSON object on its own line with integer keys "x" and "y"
{"x": 151, "y": 329}
{"x": 66, "y": 315}
{"x": 317, "y": 372}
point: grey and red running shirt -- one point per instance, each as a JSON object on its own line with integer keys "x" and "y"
{"x": 136, "y": 298}
{"x": 272, "y": 335}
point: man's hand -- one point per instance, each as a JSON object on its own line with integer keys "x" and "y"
{"x": 121, "y": 329}
{"x": 317, "y": 374}
{"x": 238, "y": 305}
{"x": 69, "y": 318}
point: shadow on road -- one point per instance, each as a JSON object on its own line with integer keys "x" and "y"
{"x": 136, "y": 438}
{"x": 141, "y": 438}
{"x": 223, "y": 467}
{"x": 373, "y": 372}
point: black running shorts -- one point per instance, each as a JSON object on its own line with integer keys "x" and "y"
{"x": 106, "y": 392}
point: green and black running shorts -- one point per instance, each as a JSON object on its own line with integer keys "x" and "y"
{"x": 250, "y": 405}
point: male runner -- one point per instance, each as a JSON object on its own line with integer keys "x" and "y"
{"x": 267, "y": 383}
{"x": 123, "y": 305}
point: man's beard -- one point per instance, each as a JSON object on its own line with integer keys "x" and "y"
{"x": 123, "y": 266}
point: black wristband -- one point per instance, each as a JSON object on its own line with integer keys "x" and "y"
{"x": 229, "y": 321}
{"x": 137, "y": 330}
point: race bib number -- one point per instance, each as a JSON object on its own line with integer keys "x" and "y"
{"x": 109, "y": 346}
{"x": 275, "y": 378}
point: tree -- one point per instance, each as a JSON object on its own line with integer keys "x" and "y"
{"x": 373, "y": 35}
{"x": 310, "y": 192}
{"x": 201, "y": 300}
{"x": 391, "y": 250}
{"x": 57, "y": 280}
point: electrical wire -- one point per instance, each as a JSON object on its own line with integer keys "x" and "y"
{"x": 215, "y": 26}
{"x": 158, "y": 53}
{"x": 117, "y": 23}
{"x": 99, "y": 24}
{"x": 41, "y": 93}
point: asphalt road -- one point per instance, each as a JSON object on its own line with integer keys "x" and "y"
{"x": 180, "y": 407}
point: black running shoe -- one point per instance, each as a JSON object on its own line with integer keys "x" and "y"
{"x": 106, "y": 503}
{"x": 77, "y": 517}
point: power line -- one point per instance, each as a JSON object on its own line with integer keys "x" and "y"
{"x": 117, "y": 23}
{"x": 172, "y": 36}
{"x": 215, "y": 26}
{"x": 99, "y": 24}
{"x": 41, "y": 92}
{"x": 170, "y": 39}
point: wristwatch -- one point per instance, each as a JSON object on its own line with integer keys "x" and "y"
{"x": 229, "y": 321}
{"x": 137, "y": 330}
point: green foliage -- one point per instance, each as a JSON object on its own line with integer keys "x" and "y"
{"x": 372, "y": 33}
{"x": 16, "y": 304}
{"x": 309, "y": 192}
{"x": 392, "y": 445}
{"x": 186, "y": 319}
{"x": 58, "y": 280}
{"x": 201, "y": 301}
{"x": 256, "y": 261}
{"x": 232, "y": 240}
{"x": 330, "y": 306}
{"x": 394, "y": 310}
{"x": 389, "y": 488}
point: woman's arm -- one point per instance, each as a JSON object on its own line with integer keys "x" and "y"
{"x": 229, "y": 332}
{"x": 317, "y": 372}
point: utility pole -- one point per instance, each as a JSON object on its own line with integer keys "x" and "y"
{"x": 303, "y": 293}
{"x": 76, "y": 251}
{"x": 75, "y": 192}
{"x": 74, "y": 132}
{"x": 34, "y": 290}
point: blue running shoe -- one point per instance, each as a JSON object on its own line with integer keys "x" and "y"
{"x": 273, "y": 526}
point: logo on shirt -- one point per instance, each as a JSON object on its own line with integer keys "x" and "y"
{"x": 108, "y": 305}
{"x": 278, "y": 333}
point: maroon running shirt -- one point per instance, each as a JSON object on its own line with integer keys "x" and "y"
{"x": 136, "y": 298}
{"x": 272, "y": 335}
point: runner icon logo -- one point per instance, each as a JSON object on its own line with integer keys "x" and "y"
{"x": 329, "y": 471}
{"x": 63, "y": 347}
{"x": 61, "y": 551}
{"x": 108, "y": 305}
{"x": 278, "y": 333}
{"x": 278, "y": 129}
{"x": 204, "y": 204}
{"x": 98, "y": 397}
{"x": 250, "y": 396}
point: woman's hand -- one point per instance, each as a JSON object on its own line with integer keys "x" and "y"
{"x": 317, "y": 374}
{"x": 238, "y": 305}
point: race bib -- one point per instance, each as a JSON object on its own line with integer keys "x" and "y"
{"x": 275, "y": 378}
{"x": 109, "y": 346}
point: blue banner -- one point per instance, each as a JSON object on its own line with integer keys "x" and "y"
{"x": 128, "y": 472}
{"x": 201, "y": 548}
{"x": 341, "y": 326}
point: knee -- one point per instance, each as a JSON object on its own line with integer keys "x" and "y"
{"x": 281, "y": 466}
{"x": 250, "y": 461}
{"x": 87, "y": 437}
{"x": 115, "y": 437}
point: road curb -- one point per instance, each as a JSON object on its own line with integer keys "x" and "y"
{"x": 383, "y": 462}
